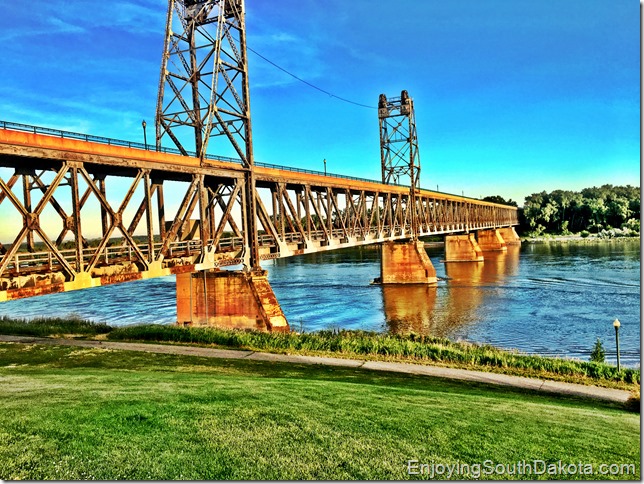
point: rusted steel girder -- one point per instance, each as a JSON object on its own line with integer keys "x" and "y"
{"x": 102, "y": 235}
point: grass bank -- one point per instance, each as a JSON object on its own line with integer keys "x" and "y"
{"x": 43, "y": 327}
{"x": 405, "y": 348}
{"x": 70, "y": 413}
{"x": 347, "y": 344}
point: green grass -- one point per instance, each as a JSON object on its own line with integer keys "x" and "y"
{"x": 44, "y": 327}
{"x": 410, "y": 348}
{"x": 70, "y": 413}
{"x": 349, "y": 344}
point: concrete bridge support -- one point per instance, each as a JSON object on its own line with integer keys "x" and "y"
{"x": 229, "y": 299}
{"x": 491, "y": 240}
{"x": 406, "y": 263}
{"x": 510, "y": 236}
{"x": 462, "y": 248}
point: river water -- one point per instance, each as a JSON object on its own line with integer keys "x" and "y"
{"x": 549, "y": 299}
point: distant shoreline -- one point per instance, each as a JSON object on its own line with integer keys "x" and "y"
{"x": 560, "y": 239}
{"x": 564, "y": 239}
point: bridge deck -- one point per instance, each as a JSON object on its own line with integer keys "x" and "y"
{"x": 67, "y": 195}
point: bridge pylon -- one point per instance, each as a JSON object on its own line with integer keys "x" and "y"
{"x": 233, "y": 299}
{"x": 204, "y": 88}
{"x": 402, "y": 262}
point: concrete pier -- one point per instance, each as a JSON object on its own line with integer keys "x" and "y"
{"x": 510, "y": 236}
{"x": 229, "y": 299}
{"x": 406, "y": 263}
{"x": 462, "y": 248}
{"x": 491, "y": 240}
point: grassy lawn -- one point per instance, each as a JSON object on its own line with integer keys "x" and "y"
{"x": 70, "y": 413}
{"x": 408, "y": 348}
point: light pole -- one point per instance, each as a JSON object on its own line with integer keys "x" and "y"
{"x": 616, "y": 325}
{"x": 145, "y": 134}
{"x": 324, "y": 166}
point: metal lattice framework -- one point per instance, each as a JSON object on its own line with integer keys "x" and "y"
{"x": 204, "y": 86}
{"x": 399, "y": 154}
{"x": 56, "y": 193}
{"x": 398, "y": 140}
{"x": 204, "y": 83}
{"x": 72, "y": 225}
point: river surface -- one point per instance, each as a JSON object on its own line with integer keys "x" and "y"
{"x": 549, "y": 299}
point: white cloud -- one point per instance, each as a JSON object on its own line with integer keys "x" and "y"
{"x": 296, "y": 55}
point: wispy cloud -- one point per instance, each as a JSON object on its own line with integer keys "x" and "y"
{"x": 56, "y": 17}
{"x": 112, "y": 116}
{"x": 291, "y": 52}
{"x": 42, "y": 26}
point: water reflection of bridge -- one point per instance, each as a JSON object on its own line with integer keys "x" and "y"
{"x": 442, "y": 309}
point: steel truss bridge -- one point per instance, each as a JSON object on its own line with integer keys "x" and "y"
{"x": 79, "y": 211}
{"x": 61, "y": 189}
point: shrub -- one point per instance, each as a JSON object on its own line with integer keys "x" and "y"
{"x": 564, "y": 228}
{"x": 584, "y": 233}
{"x": 632, "y": 224}
{"x": 633, "y": 403}
{"x": 598, "y": 354}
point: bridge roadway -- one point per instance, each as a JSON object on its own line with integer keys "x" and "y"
{"x": 58, "y": 189}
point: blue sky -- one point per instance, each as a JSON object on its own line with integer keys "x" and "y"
{"x": 511, "y": 96}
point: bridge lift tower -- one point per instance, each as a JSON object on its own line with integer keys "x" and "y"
{"x": 399, "y": 147}
{"x": 407, "y": 261}
{"x": 204, "y": 92}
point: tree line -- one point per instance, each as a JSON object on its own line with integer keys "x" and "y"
{"x": 593, "y": 210}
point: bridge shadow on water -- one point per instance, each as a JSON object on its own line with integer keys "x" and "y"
{"x": 459, "y": 301}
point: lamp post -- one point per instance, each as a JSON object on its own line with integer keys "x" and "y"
{"x": 616, "y": 325}
{"x": 145, "y": 134}
{"x": 324, "y": 166}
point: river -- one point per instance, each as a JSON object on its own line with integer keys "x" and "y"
{"x": 551, "y": 299}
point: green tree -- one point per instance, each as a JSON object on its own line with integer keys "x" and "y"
{"x": 617, "y": 211}
{"x": 532, "y": 208}
{"x": 598, "y": 354}
{"x": 501, "y": 200}
{"x": 591, "y": 209}
{"x": 563, "y": 198}
{"x": 550, "y": 214}
{"x": 596, "y": 210}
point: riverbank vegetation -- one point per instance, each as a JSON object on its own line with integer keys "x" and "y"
{"x": 608, "y": 211}
{"x": 406, "y": 348}
{"x": 349, "y": 344}
{"x": 70, "y": 413}
{"x": 44, "y": 327}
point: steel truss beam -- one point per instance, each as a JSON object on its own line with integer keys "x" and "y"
{"x": 67, "y": 222}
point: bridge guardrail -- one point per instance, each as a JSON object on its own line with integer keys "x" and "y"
{"x": 151, "y": 147}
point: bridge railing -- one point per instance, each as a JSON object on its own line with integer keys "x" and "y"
{"x": 152, "y": 147}
{"x": 101, "y": 139}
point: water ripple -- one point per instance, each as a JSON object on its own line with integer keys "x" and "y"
{"x": 542, "y": 301}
